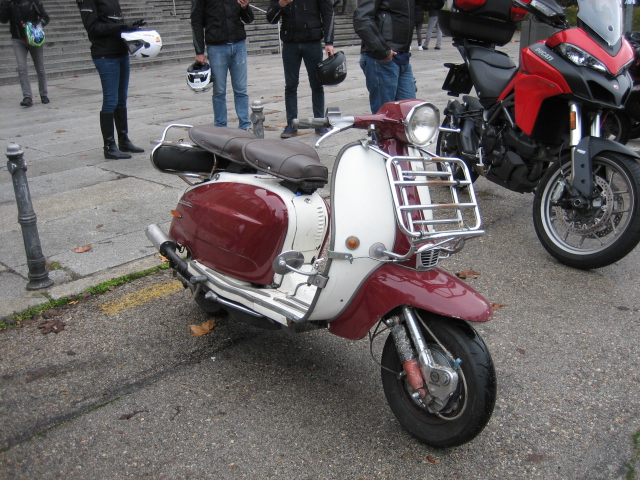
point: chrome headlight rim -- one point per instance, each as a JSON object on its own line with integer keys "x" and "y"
{"x": 422, "y": 124}
{"x": 582, "y": 58}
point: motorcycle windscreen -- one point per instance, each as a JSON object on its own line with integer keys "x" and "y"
{"x": 235, "y": 229}
{"x": 604, "y": 17}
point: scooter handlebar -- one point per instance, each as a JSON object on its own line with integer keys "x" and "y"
{"x": 310, "y": 123}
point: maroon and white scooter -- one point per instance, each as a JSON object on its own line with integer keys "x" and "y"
{"x": 252, "y": 236}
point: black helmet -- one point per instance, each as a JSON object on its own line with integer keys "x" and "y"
{"x": 333, "y": 70}
{"x": 199, "y": 77}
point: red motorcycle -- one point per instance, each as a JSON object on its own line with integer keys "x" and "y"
{"x": 536, "y": 127}
{"x": 252, "y": 236}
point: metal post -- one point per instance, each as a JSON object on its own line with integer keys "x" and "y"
{"x": 628, "y": 15}
{"x": 257, "y": 118}
{"x": 38, "y": 274}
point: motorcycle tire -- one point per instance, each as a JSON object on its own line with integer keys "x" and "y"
{"x": 447, "y": 146}
{"x": 469, "y": 409}
{"x": 615, "y": 126}
{"x": 602, "y": 236}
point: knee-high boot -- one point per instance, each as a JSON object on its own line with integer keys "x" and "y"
{"x": 122, "y": 127}
{"x": 110, "y": 149}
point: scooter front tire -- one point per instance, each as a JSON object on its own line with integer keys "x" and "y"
{"x": 470, "y": 408}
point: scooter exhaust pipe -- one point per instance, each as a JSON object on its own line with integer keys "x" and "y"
{"x": 167, "y": 247}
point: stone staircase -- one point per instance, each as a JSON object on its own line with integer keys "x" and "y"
{"x": 67, "y": 47}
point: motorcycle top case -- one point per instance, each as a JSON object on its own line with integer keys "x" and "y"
{"x": 233, "y": 228}
{"x": 490, "y": 21}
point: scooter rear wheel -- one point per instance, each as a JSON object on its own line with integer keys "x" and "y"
{"x": 468, "y": 410}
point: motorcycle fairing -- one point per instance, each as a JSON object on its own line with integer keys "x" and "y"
{"x": 391, "y": 286}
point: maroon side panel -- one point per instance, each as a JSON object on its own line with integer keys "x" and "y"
{"x": 390, "y": 286}
{"x": 232, "y": 228}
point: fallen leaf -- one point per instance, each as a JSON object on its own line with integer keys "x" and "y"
{"x": 496, "y": 306}
{"x": 60, "y": 131}
{"x": 51, "y": 312}
{"x": 54, "y": 326}
{"x": 468, "y": 274}
{"x": 203, "y": 329}
{"x": 86, "y": 248}
{"x": 185, "y": 109}
{"x": 99, "y": 226}
{"x": 73, "y": 302}
{"x": 623, "y": 309}
{"x": 521, "y": 351}
{"x": 535, "y": 458}
{"x": 432, "y": 460}
{"x": 163, "y": 258}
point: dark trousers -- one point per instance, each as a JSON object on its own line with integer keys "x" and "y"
{"x": 292, "y": 56}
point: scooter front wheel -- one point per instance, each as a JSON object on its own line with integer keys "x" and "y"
{"x": 599, "y": 233}
{"x": 468, "y": 411}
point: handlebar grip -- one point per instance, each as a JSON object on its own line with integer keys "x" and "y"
{"x": 310, "y": 123}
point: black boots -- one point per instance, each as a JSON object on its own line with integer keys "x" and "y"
{"x": 111, "y": 152}
{"x": 120, "y": 119}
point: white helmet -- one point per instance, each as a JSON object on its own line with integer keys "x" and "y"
{"x": 143, "y": 43}
{"x": 199, "y": 77}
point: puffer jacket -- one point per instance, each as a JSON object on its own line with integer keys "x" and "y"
{"x": 103, "y": 21}
{"x": 384, "y": 25}
{"x": 303, "y": 20}
{"x": 18, "y": 11}
{"x": 215, "y": 22}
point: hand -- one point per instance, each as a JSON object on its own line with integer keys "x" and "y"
{"x": 389, "y": 57}
{"x": 128, "y": 27}
{"x": 139, "y": 23}
{"x": 284, "y": 3}
{"x": 201, "y": 59}
{"x": 329, "y": 50}
{"x": 243, "y": 3}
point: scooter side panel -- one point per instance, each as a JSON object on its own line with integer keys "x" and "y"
{"x": 361, "y": 207}
{"x": 392, "y": 285}
{"x": 233, "y": 228}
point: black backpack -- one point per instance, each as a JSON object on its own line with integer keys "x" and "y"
{"x": 433, "y": 4}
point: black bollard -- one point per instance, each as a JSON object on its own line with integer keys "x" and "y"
{"x": 257, "y": 118}
{"x": 38, "y": 274}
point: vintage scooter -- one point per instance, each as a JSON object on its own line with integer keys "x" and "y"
{"x": 253, "y": 236}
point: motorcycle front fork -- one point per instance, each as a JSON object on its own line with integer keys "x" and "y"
{"x": 430, "y": 382}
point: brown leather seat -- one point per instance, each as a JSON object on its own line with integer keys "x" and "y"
{"x": 222, "y": 141}
{"x": 290, "y": 160}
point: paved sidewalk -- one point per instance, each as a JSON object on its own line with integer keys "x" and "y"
{"x": 81, "y": 199}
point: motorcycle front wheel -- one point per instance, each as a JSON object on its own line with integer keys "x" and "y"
{"x": 591, "y": 237}
{"x": 615, "y": 126}
{"x": 468, "y": 411}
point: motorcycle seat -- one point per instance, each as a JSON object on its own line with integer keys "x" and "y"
{"x": 292, "y": 161}
{"x": 490, "y": 71}
{"x": 222, "y": 141}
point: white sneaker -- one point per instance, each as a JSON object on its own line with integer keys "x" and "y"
{"x": 420, "y": 48}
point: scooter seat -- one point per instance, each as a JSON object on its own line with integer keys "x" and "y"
{"x": 292, "y": 161}
{"x": 222, "y": 141}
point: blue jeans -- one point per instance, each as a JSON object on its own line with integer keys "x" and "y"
{"x": 387, "y": 81}
{"x": 114, "y": 75}
{"x": 231, "y": 57}
{"x": 292, "y": 56}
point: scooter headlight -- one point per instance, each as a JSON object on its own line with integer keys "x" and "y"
{"x": 581, "y": 58}
{"x": 422, "y": 123}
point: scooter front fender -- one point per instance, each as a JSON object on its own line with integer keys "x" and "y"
{"x": 390, "y": 286}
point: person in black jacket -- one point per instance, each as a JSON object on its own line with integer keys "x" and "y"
{"x": 17, "y": 13}
{"x": 386, "y": 29}
{"x": 104, "y": 23}
{"x": 219, "y": 24}
{"x": 304, "y": 24}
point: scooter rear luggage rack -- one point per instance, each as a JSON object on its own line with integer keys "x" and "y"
{"x": 430, "y": 203}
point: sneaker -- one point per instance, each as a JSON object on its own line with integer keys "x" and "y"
{"x": 248, "y": 129}
{"x": 437, "y": 48}
{"x": 322, "y": 131}
{"x": 26, "y": 102}
{"x": 420, "y": 47}
{"x": 45, "y": 99}
{"x": 289, "y": 132}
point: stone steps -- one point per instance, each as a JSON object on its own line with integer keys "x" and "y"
{"x": 67, "y": 46}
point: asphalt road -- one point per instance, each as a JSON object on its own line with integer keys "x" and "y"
{"x": 124, "y": 391}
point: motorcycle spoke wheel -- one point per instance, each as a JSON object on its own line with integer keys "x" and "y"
{"x": 596, "y": 236}
{"x": 469, "y": 409}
